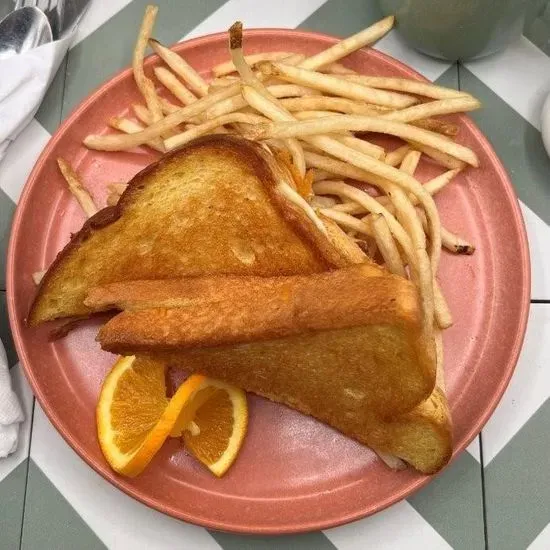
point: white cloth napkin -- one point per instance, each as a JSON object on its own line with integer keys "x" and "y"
{"x": 23, "y": 83}
{"x": 24, "y": 80}
{"x": 11, "y": 414}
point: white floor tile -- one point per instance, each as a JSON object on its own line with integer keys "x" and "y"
{"x": 538, "y": 234}
{"x": 520, "y": 75}
{"x": 135, "y": 526}
{"x": 284, "y": 13}
{"x": 528, "y": 389}
{"x": 399, "y": 527}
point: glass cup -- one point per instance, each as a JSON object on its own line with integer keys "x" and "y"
{"x": 457, "y": 29}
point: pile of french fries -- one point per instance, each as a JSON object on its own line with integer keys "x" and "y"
{"x": 320, "y": 116}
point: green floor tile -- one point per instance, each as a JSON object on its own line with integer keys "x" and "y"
{"x": 453, "y": 504}
{"x": 49, "y": 113}
{"x": 12, "y": 498}
{"x": 343, "y": 18}
{"x": 517, "y": 485}
{"x": 7, "y": 208}
{"x": 94, "y": 60}
{"x": 517, "y": 143}
{"x": 50, "y": 521}
{"x": 307, "y": 541}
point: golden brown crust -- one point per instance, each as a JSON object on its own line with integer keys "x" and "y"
{"x": 207, "y": 290}
{"x": 310, "y": 250}
{"x": 347, "y": 247}
{"x": 422, "y": 437}
{"x": 330, "y": 247}
{"x": 223, "y": 310}
{"x": 295, "y": 339}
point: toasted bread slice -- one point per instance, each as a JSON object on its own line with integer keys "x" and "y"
{"x": 343, "y": 346}
{"x": 221, "y": 204}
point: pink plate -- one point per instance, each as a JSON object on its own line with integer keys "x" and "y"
{"x": 303, "y": 475}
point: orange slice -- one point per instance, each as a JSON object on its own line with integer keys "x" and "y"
{"x": 218, "y": 425}
{"x": 134, "y": 417}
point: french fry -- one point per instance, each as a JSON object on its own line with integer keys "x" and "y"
{"x": 455, "y": 243}
{"x": 291, "y": 90}
{"x": 424, "y": 278}
{"x": 145, "y": 85}
{"x": 307, "y": 115}
{"x": 357, "y": 123}
{"x": 324, "y": 103}
{"x": 432, "y": 186}
{"x": 169, "y": 80}
{"x": 185, "y": 137}
{"x": 348, "y": 45}
{"x": 380, "y": 175}
{"x": 336, "y": 68}
{"x": 439, "y": 375}
{"x": 229, "y": 105}
{"x": 371, "y": 205}
{"x": 439, "y": 182}
{"x": 336, "y": 85}
{"x": 142, "y": 113}
{"x": 407, "y": 216}
{"x": 347, "y": 221}
{"x": 318, "y": 201}
{"x": 319, "y": 175}
{"x": 222, "y": 82}
{"x": 77, "y": 188}
{"x": 227, "y": 67}
{"x": 435, "y": 125}
{"x": 256, "y": 88}
{"x": 406, "y": 85}
{"x": 350, "y": 106}
{"x": 115, "y": 191}
{"x": 353, "y": 172}
{"x": 355, "y": 208}
{"x": 277, "y": 90}
{"x": 452, "y": 242}
{"x": 379, "y": 169}
{"x": 112, "y": 199}
{"x": 443, "y": 315}
{"x": 180, "y": 67}
{"x": 410, "y": 162}
{"x": 293, "y": 196}
{"x": 433, "y": 108}
{"x": 168, "y": 107}
{"x": 439, "y": 156}
{"x": 130, "y": 127}
{"x": 361, "y": 145}
{"x": 393, "y": 158}
{"x": 117, "y": 187}
{"x": 276, "y": 144}
{"x": 37, "y": 276}
{"x": 263, "y": 104}
{"x": 386, "y": 245}
{"x": 122, "y": 142}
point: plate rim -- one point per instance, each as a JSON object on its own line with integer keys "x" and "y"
{"x": 247, "y": 528}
